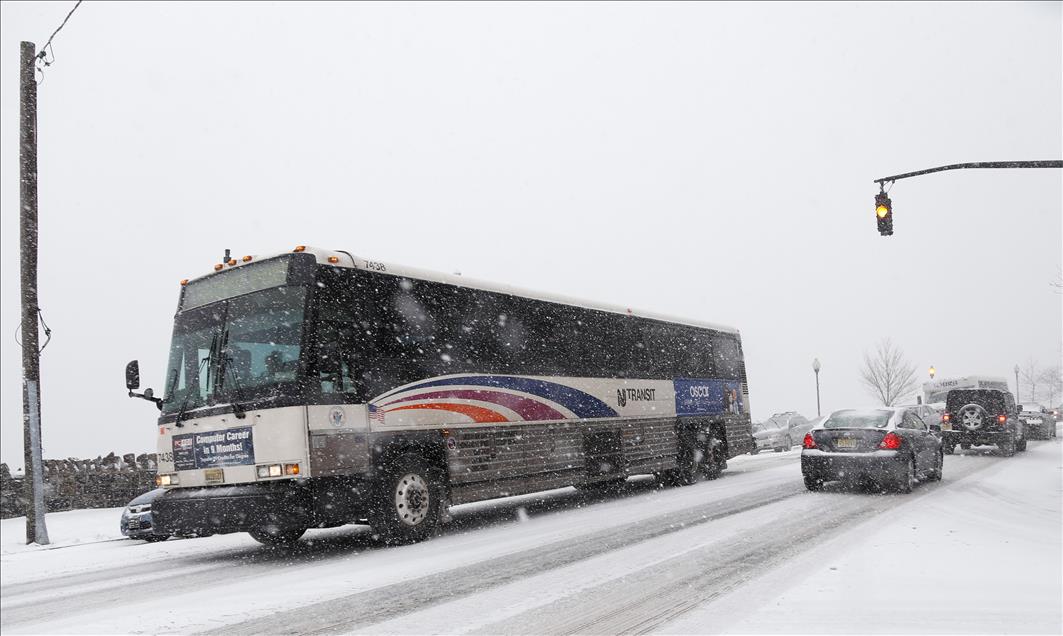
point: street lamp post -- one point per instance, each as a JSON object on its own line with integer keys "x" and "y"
{"x": 926, "y": 393}
{"x": 815, "y": 367}
{"x": 1017, "y": 398}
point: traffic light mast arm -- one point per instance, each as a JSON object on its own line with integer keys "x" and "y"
{"x": 977, "y": 164}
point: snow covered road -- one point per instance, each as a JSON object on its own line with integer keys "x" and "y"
{"x": 750, "y": 552}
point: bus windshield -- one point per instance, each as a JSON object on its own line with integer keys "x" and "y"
{"x": 244, "y": 348}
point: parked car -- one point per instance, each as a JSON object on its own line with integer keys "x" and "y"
{"x": 137, "y": 522}
{"x": 884, "y": 446}
{"x": 780, "y": 432}
{"x": 1039, "y": 422}
{"x": 982, "y": 416}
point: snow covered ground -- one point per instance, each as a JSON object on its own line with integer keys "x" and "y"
{"x": 65, "y": 529}
{"x": 752, "y": 552}
{"x": 982, "y": 556}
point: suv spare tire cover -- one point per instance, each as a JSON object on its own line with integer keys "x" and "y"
{"x": 972, "y": 417}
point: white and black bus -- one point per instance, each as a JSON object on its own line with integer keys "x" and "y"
{"x": 314, "y": 389}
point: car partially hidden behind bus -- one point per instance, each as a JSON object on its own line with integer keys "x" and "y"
{"x": 316, "y": 389}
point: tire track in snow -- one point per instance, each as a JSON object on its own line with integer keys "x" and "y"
{"x": 645, "y": 599}
{"x": 39, "y": 601}
{"x": 349, "y": 613}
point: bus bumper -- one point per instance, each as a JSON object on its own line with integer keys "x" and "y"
{"x": 239, "y": 508}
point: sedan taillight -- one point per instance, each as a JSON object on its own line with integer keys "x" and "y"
{"x": 1002, "y": 419}
{"x": 891, "y": 441}
{"x": 946, "y": 417}
{"x": 809, "y": 442}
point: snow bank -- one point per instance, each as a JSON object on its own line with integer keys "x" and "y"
{"x": 68, "y": 528}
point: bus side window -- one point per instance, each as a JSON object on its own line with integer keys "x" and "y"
{"x": 694, "y": 352}
{"x": 511, "y": 335}
{"x": 473, "y": 316}
{"x": 661, "y": 350}
{"x": 339, "y": 341}
{"x": 728, "y": 360}
{"x": 337, "y": 358}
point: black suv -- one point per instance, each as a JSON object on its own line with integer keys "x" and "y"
{"x": 982, "y": 416}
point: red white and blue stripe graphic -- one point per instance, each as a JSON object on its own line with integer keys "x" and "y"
{"x": 484, "y": 399}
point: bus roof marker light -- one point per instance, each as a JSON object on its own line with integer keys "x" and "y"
{"x": 218, "y": 267}
{"x": 333, "y": 259}
{"x": 184, "y": 281}
{"x": 232, "y": 262}
{"x": 299, "y": 248}
{"x": 247, "y": 259}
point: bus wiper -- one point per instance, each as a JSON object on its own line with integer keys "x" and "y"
{"x": 226, "y": 358}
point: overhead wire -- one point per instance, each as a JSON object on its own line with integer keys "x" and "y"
{"x": 47, "y": 332}
{"x": 42, "y": 62}
{"x": 47, "y": 50}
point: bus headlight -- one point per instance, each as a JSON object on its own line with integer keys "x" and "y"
{"x": 266, "y": 471}
{"x": 269, "y": 470}
{"x": 170, "y": 479}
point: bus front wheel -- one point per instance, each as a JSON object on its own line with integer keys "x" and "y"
{"x": 406, "y": 501}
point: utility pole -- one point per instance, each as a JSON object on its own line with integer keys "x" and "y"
{"x": 33, "y": 480}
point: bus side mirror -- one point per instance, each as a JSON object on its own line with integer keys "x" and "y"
{"x": 132, "y": 375}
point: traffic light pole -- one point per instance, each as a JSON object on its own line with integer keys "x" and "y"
{"x": 979, "y": 164}
{"x": 884, "y": 207}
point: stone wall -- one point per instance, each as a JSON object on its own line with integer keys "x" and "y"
{"x": 70, "y": 484}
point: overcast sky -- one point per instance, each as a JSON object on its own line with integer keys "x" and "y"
{"x": 712, "y": 161}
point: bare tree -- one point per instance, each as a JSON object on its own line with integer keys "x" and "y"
{"x": 1052, "y": 379}
{"x": 1030, "y": 375}
{"x": 887, "y": 374}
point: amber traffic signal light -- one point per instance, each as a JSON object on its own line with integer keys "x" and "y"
{"x": 884, "y": 214}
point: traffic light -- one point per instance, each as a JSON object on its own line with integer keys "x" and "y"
{"x": 884, "y": 214}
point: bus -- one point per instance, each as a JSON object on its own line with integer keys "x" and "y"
{"x": 315, "y": 388}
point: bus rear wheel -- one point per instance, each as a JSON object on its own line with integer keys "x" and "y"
{"x": 715, "y": 459}
{"x": 695, "y": 463}
{"x": 686, "y": 473}
{"x": 406, "y": 501}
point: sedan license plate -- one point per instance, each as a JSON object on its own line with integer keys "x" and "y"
{"x": 134, "y": 524}
{"x": 946, "y": 426}
{"x": 845, "y": 443}
{"x": 214, "y": 475}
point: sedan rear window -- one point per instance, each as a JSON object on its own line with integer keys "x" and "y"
{"x": 858, "y": 419}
